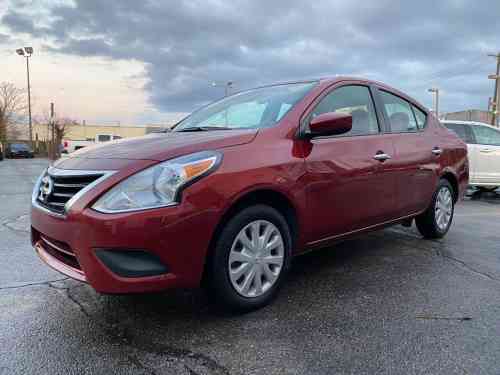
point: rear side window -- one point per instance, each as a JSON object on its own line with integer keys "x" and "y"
{"x": 399, "y": 113}
{"x": 355, "y": 100}
{"x": 461, "y": 131}
{"x": 486, "y": 136}
{"x": 420, "y": 116}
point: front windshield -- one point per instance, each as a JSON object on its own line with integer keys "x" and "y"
{"x": 257, "y": 108}
{"x": 19, "y": 147}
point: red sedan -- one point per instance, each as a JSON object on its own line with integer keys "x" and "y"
{"x": 239, "y": 187}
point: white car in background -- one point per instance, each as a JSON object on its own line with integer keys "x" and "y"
{"x": 68, "y": 146}
{"x": 483, "y": 144}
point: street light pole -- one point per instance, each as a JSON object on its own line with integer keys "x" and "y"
{"x": 29, "y": 98}
{"x": 435, "y": 91}
{"x": 227, "y": 86}
{"x": 27, "y": 52}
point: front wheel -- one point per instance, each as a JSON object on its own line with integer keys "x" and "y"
{"x": 250, "y": 259}
{"x": 436, "y": 220}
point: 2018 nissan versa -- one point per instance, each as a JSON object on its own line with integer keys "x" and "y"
{"x": 239, "y": 187}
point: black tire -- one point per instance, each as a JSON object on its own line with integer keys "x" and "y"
{"x": 219, "y": 283}
{"x": 426, "y": 222}
{"x": 487, "y": 189}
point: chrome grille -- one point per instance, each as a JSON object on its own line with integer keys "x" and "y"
{"x": 57, "y": 187}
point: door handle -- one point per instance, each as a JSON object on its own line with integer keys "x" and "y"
{"x": 486, "y": 150}
{"x": 437, "y": 151}
{"x": 381, "y": 156}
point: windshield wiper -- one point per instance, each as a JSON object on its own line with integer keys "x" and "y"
{"x": 203, "y": 128}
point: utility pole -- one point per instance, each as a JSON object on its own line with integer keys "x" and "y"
{"x": 53, "y": 151}
{"x": 496, "y": 96}
{"x": 435, "y": 91}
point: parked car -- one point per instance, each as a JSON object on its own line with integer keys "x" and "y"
{"x": 483, "y": 144}
{"x": 236, "y": 189}
{"x": 69, "y": 146}
{"x": 19, "y": 150}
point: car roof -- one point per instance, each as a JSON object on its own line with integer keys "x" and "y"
{"x": 329, "y": 80}
{"x": 475, "y": 123}
{"x": 339, "y": 78}
{"x": 382, "y": 85}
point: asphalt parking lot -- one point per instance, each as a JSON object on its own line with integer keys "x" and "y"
{"x": 389, "y": 302}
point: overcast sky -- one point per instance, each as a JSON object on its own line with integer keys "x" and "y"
{"x": 137, "y": 61}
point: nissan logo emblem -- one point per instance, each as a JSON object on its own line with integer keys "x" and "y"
{"x": 46, "y": 188}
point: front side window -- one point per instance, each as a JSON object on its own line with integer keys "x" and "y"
{"x": 354, "y": 100}
{"x": 486, "y": 136}
{"x": 257, "y": 108}
{"x": 399, "y": 113}
{"x": 420, "y": 116}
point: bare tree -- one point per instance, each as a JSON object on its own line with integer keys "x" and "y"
{"x": 12, "y": 107}
{"x": 61, "y": 128}
{"x": 56, "y": 128}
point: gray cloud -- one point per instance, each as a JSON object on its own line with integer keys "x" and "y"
{"x": 4, "y": 38}
{"x": 188, "y": 44}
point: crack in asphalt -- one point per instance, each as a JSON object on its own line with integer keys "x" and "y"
{"x": 467, "y": 266}
{"x": 46, "y": 283}
{"x": 179, "y": 354}
{"x": 184, "y": 357}
{"x": 438, "y": 251}
{"x": 10, "y": 223}
{"x": 431, "y": 317}
{"x": 134, "y": 360}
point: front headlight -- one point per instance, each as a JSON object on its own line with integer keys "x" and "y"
{"x": 158, "y": 186}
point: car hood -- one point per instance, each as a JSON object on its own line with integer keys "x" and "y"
{"x": 156, "y": 147}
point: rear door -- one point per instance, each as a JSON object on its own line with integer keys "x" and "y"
{"x": 414, "y": 161}
{"x": 349, "y": 186}
{"x": 464, "y": 132}
{"x": 486, "y": 155}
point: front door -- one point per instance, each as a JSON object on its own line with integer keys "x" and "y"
{"x": 350, "y": 184}
{"x": 486, "y": 155}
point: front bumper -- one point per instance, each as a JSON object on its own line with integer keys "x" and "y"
{"x": 166, "y": 233}
{"x": 21, "y": 154}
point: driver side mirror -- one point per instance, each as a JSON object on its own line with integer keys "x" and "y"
{"x": 330, "y": 123}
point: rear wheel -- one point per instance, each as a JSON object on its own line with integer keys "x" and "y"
{"x": 487, "y": 189}
{"x": 251, "y": 258}
{"x": 436, "y": 220}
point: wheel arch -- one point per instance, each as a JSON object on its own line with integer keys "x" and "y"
{"x": 453, "y": 180}
{"x": 263, "y": 195}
